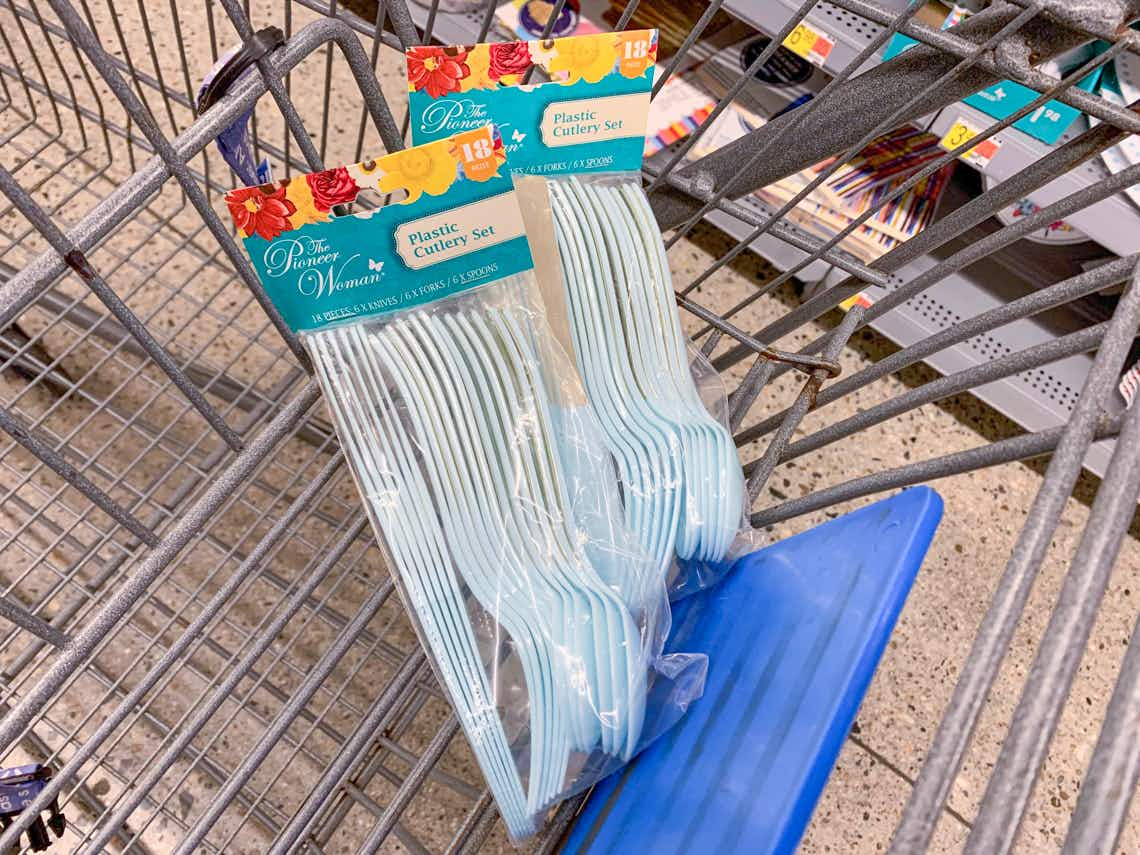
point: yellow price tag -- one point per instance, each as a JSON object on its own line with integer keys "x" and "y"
{"x": 860, "y": 299}
{"x": 960, "y": 133}
{"x": 812, "y": 44}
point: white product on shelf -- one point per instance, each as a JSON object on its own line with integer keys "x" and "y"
{"x": 1059, "y": 233}
{"x": 1127, "y": 153}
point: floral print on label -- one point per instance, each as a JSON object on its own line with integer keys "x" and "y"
{"x": 441, "y": 71}
{"x": 271, "y": 209}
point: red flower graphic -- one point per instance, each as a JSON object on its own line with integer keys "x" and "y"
{"x": 331, "y": 187}
{"x": 263, "y": 210}
{"x": 437, "y": 69}
{"x": 509, "y": 58}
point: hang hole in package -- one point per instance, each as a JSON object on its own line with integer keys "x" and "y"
{"x": 575, "y": 148}
{"x": 485, "y": 476}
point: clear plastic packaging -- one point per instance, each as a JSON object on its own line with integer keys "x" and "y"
{"x": 661, "y": 407}
{"x": 490, "y": 484}
{"x": 485, "y": 475}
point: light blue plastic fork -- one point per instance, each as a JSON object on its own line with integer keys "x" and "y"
{"x": 646, "y": 449}
{"x": 399, "y": 503}
{"x": 556, "y": 580}
{"x": 488, "y": 559}
{"x": 633, "y": 357}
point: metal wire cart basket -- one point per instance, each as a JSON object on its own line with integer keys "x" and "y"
{"x": 200, "y": 639}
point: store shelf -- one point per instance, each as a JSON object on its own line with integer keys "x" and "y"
{"x": 1037, "y": 399}
{"x": 852, "y": 33}
{"x": 1113, "y": 223}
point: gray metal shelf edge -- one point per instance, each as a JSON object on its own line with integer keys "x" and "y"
{"x": 1036, "y": 399}
{"x": 1114, "y": 223}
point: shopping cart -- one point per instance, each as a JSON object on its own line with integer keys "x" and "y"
{"x": 200, "y": 638}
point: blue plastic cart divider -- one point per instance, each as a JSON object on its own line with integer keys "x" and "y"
{"x": 793, "y": 635}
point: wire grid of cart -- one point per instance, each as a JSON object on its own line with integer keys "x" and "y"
{"x": 193, "y": 601}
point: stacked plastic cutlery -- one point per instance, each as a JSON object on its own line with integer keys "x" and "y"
{"x": 683, "y": 483}
{"x": 465, "y": 458}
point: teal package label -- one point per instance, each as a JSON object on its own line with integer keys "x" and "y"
{"x": 589, "y": 125}
{"x": 1003, "y": 99}
{"x": 392, "y": 258}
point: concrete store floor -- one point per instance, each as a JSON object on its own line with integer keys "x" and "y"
{"x": 984, "y": 510}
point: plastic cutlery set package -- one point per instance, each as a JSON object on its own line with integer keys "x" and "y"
{"x": 489, "y": 481}
{"x": 574, "y": 146}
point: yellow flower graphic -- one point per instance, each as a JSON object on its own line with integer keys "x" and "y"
{"x": 479, "y": 61}
{"x": 427, "y": 169}
{"x": 582, "y": 58}
{"x": 299, "y": 193}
